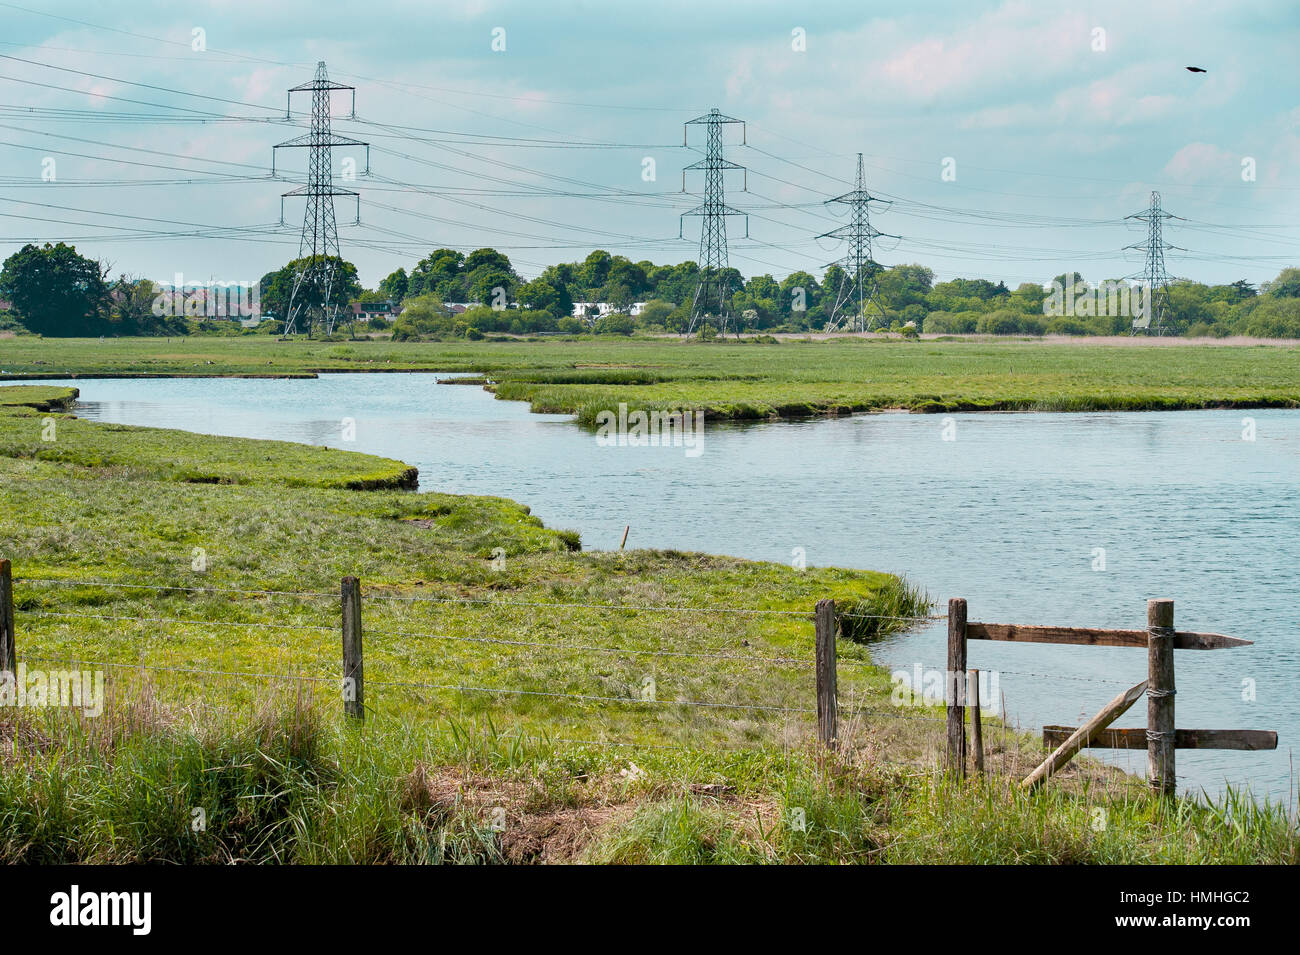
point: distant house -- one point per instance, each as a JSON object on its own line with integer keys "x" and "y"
{"x": 457, "y": 308}
{"x": 365, "y": 311}
{"x": 581, "y": 309}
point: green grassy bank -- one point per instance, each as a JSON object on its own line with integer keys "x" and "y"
{"x": 750, "y": 380}
{"x": 508, "y": 718}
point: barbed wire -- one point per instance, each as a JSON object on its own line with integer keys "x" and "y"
{"x": 771, "y": 708}
{"x": 188, "y": 670}
{"x": 138, "y": 586}
{"x": 915, "y": 618}
{"x": 631, "y": 608}
{"x": 861, "y": 711}
{"x": 186, "y": 620}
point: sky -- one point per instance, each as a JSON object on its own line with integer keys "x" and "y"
{"x": 1006, "y": 141}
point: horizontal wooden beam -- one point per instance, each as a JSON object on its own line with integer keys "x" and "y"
{"x": 1136, "y": 738}
{"x": 1092, "y": 637}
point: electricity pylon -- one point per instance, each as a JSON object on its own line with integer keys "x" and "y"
{"x": 1153, "y": 276}
{"x": 313, "y": 283}
{"x": 858, "y": 286}
{"x": 710, "y": 293}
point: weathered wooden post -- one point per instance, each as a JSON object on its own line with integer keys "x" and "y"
{"x": 1161, "y": 735}
{"x": 956, "y": 690}
{"x": 976, "y": 730}
{"x": 8, "y": 641}
{"x": 354, "y": 696}
{"x": 827, "y": 715}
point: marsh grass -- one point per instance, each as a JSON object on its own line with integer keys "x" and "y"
{"x": 515, "y": 688}
{"x": 738, "y": 380}
{"x": 892, "y": 607}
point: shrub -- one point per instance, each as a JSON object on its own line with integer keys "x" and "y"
{"x": 615, "y": 324}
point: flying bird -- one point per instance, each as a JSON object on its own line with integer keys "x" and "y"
{"x": 1195, "y": 69}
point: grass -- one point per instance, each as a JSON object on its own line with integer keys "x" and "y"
{"x": 147, "y": 454}
{"x": 42, "y": 398}
{"x": 505, "y": 680}
{"x": 751, "y": 380}
{"x": 285, "y": 784}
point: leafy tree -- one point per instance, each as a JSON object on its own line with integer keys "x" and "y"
{"x": 791, "y": 287}
{"x": 546, "y": 293}
{"x": 1244, "y": 290}
{"x": 656, "y": 312}
{"x": 487, "y": 257}
{"x": 395, "y": 286}
{"x": 438, "y": 271}
{"x": 484, "y": 282}
{"x": 594, "y": 271}
{"x": 54, "y": 290}
{"x": 277, "y": 289}
{"x": 1286, "y": 285}
{"x": 132, "y": 310}
{"x": 625, "y": 275}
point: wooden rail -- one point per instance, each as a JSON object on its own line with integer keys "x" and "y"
{"x": 1160, "y": 737}
{"x": 1092, "y": 637}
{"x": 1136, "y": 738}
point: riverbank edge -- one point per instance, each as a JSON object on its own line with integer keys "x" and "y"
{"x": 585, "y": 414}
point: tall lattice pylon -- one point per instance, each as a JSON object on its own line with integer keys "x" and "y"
{"x": 712, "y": 298}
{"x": 858, "y": 287}
{"x": 1158, "y": 319}
{"x": 313, "y": 283}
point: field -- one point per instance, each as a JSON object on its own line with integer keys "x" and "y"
{"x": 506, "y": 675}
{"x": 789, "y": 378}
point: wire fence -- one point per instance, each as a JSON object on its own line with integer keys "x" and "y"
{"x": 709, "y": 675}
{"x": 682, "y": 675}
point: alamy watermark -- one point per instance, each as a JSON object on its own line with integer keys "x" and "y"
{"x": 1110, "y": 298}
{"x": 928, "y": 687}
{"x": 78, "y": 689}
{"x": 211, "y": 299}
{"x": 651, "y": 429}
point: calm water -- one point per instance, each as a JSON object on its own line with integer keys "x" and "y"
{"x": 1008, "y": 515}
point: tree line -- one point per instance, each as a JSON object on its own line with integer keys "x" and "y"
{"x": 53, "y": 290}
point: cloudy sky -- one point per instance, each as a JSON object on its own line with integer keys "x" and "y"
{"x": 143, "y": 131}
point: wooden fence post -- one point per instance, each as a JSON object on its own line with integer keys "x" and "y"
{"x": 1160, "y": 696}
{"x": 827, "y": 715}
{"x": 976, "y": 730}
{"x": 955, "y": 680}
{"x": 354, "y": 696}
{"x": 8, "y": 640}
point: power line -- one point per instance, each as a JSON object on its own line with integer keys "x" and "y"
{"x": 313, "y": 283}
{"x": 712, "y": 291}
{"x": 1155, "y": 279}
{"x": 858, "y": 282}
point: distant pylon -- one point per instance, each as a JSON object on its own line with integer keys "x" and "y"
{"x": 1153, "y": 276}
{"x": 858, "y": 287}
{"x": 319, "y": 245}
{"x": 711, "y": 298}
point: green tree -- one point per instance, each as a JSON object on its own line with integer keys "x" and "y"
{"x": 395, "y": 286}
{"x": 277, "y": 289}
{"x": 546, "y": 294}
{"x": 439, "y": 271}
{"x": 54, "y": 290}
{"x": 593, "y": 272}
{"x": 1286, "y": 285}
{"x": 132, "y": 310}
